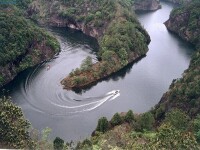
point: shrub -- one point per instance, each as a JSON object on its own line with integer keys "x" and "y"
{"x": 196, "y": 127}
{"x": 169, "y": 137}
{"x": 160, "y": 111}
{"x": 116, "y": 119}
{"x": 177, "y": 119}
{"x": 87, "y": 142}
{"x": 13, "y": 126}
{"x": 129, "y": 117}
{"x": 146, "y": 121}
{"x": 89, "y": 18}
{"x": 86, "y": 64}
{"x": 102, "y": 125}
{"x": 58, "y": 143}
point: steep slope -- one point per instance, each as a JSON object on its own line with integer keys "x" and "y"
{"x": 22, "y": 44}
{"x": 177, "y": 119}
{"x": 146, "y": 5}
{"x": 179, "y": 1}
{"x": 121, "y": 38}
{"x": 14, "y": 128}
{"x": 185, "y": 22}
{"x": 184, "y": 93}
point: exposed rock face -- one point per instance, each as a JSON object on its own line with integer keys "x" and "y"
{"x": 184, "y": 93}
{"x": 146, "y": 5}
{"x": 24, "y": 45}
{"x": 10, "y": 70}
{"x": 180, "y": 20}
{"x": 178, "y": 1}
{"x": 92, "y": 31}
{"x": 48, "y": 16}
{"x": 120, "y": 36}
{"x": 180, "y": 23}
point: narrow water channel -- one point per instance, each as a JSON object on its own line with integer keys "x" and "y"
{"x": 73, "y": 116}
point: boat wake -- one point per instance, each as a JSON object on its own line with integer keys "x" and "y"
{"x": 45, "y": 94}
{"x": 90, "y": 103}
{"x": 56, "y": 101}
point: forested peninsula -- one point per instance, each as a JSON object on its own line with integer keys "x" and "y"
{"x": 174, "y": 123}
{"x": 99, "y": 19}
{"x": 121, "y": 38}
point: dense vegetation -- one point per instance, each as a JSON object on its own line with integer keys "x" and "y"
{"x": 173, "y": 124}
{"x": 13, "y": 126}
{"x": 17, "y": 35}
{"x": 184, "y": 93}
{"x": 120, "y": 36}
{"x": 177, "y": 131}
{"x": 22, "y": 44}
{"x": 112, "y": 22}
{"x": 188, "y": 27}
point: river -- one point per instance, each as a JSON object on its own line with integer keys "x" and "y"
{"x": 73, "y": 116}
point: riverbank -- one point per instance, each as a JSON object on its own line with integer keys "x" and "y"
{"x": 184, "y": 92}
{"x": 23, "y": 44}
{"x": 43, "y": 100}
{"x": 122, "y": 40}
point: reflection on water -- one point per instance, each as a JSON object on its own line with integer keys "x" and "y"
{"x": 75, "y": 38}
{"x": 44, "y": 102}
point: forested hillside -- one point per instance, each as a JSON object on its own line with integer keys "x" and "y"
{"x": 121, "y": 37}
{"x": 174, "y": 122}
{"x": 22, "y": 44}
{"x": 184, "y": 93}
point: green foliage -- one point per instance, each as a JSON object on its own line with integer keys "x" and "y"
{"x": 58, "y": 143}
{"x": 17, "y": 35}
{"x": 87, "y": 143}
{"x": 160, "y": 111}
{"x": 129, "y": 117}
{"x": 13, "y": 126}
{"x": 185, "y": 92}
{"x": 23, "y": 4}
{"x": 102, "y": 125}
{"x": 191, "y": 22}
{"x": 196, "y": 127}
{"x": 86, "y": 64}
{"x": 41, "y": 139}
{"x": 116, "y": 119}
{"x": 146, "y": 121}
{"x": 178, "y": 119}
{"x": 108, "y": 56}
{"x": 124, "y": 37}
{"x": 68, "y": 13}
{"x": 79, "y": 80}
{"x": 170, "y": 138}
{"x": 121, "y": 37}
{"x": 22, "y": 44}
{"x": 89, "y": 18}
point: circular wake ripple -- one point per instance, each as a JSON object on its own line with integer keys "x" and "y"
{"x": 43, "y": 91}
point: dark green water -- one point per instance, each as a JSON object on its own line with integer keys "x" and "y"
{"x": 74, "y": 116}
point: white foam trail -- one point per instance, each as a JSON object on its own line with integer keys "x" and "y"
{"x": 71, "y": 107}
{"x": 92, "y": 105}
{"x": 114, "y": 97}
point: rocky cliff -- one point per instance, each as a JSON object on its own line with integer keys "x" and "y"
{"x": 121, "y": 38}
{"x": 179, "y": 1}
{"x": 184, "y": 93}
{"x": 185, "y": 22}
{"x": 146, "y": 5}
{"x": 23, "y": 45}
